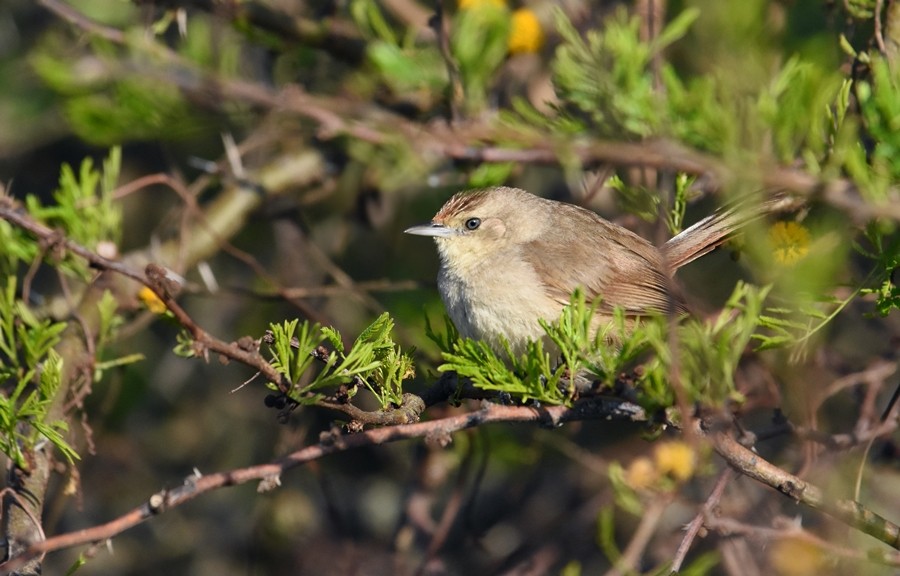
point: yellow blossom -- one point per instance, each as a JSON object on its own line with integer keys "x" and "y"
{"x": 526, "y": 35}
{"x": 789, "y": 240}
{"x": 151, "y": 300}
{"x": 466, "y": 4}
{"x": 676, "y": 459}
{"x": 641, "y": 473}
{"x": 792, "y": 556}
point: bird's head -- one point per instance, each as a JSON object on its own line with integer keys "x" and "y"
{"x": 476, "y": 225}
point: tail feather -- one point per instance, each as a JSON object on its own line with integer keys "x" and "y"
{"x": 711, "y": 232}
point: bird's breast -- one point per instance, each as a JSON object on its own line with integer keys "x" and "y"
{"x": 497, "y": 299}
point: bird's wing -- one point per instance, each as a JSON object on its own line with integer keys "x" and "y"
{"x": 620, "y": 267}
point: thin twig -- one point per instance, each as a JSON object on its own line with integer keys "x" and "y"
{"x": 731, "y": 527}
{"x": 451, "y": 511}
{"x": 455, "y": 86}
{"x": 78, "y": 19}
{"x": 631, "y": 556}
{"x": 14, "y": 215}
{"x": 879, "y": 34}
{"x": 696, "y": 524}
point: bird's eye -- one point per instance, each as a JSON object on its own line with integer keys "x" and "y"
{"x": 473, "y": 223}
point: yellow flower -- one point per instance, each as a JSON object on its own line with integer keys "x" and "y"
{"x": 640, "y": 474}
{"x": 676, "y": 459}
{"x": 789, "y": 240}
{"x": 793, "y": 556}
{"x": 152, "y": 301}
{"x": 526, "y": 35}
{"x": 466, "y": 4}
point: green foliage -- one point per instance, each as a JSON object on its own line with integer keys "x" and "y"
{"x": 83, "y": 207}
{"x": 374, "y": 360}
{"x": 15, "y": 248}
{"x": 292, "y": 357}
{"x": 371, "y": 22}
{"x": 700, "y": 566}
{"x": 541, "y": 374}
{"x": 444, "y": 339}
{"x": 708, "y": 354}
{"x": 675, "y": 214}
{"x": 802, "y": 263}
{"x": 607, "y": 86}
{"x": 184, "y": 345}
{"x": 490, "y": 174}
{"x": 110, "y": 322}
{"x": 393, "y": 164}
{"x": 389, "y": 366}
{"x": 861, "y": 9}
{"x": 404, "y": 66}
{"x": 638, "y": 200}
{"x": 627, "y": 497}
{"x": 699, "y": 114}
{"x": 479, "y": 45}
{"x": 795, "y": 106}
{"x": 408, "y": 69}
{"x": 77, "y": 564}
{"x": 30, "y": 373}
{"x": 606, "y": 77}
{"x": 604, "y": 350}
{"x": 606, "y": 534}
{"x": 710, "y": 351}
{"x": 646, "y": 203}
{"x": 105, "y": 110}
{"x": 528, "y": 377}
{"x": 880, "y": 106}
{"x": 885, "y": 252}
{"x": 795, "y": 327}
{"x": 118, "y": 93}
{"x": 573, "y": 568}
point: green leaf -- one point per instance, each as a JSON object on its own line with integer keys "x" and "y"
{"x": 676, "y": 29}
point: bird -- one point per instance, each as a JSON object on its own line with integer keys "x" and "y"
{"x": 509, "y": 259}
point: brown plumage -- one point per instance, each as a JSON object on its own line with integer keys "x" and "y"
{"x": 509, "y": 258}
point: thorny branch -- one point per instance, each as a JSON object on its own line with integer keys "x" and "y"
{"x": 330, "y": 443}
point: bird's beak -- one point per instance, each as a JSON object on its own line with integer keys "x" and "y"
{"x": 431, "y": 229}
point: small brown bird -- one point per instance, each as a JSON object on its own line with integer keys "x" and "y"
{"x": 509, "y": 258}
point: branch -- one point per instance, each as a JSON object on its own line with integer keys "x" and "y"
{"x": 730, "y": 527}
{"x": 436, "y": 430}
{"x": 13, "y": 214}
{"x": 849, "y": 512}
{"x": 327, "y": 34}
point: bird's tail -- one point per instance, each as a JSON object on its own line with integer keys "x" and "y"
{"x": 711, "y": 232}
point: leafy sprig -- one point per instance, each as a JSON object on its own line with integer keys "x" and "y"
{"x": 374, "y": 360}
{"x": 583, "y": 346}
{"x": 31, "y": 374}
{"x": 83, "y": 207}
